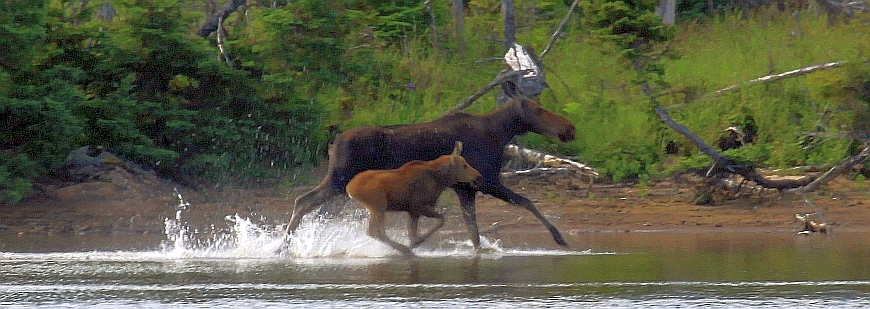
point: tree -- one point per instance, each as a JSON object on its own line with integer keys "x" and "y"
{"x": 459, "y": 25}
{"x": 35, "y": 104}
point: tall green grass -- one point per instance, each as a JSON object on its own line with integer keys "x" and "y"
{"x": 617, "y": 130}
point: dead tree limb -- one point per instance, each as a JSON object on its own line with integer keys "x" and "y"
{"x": 547, "y": 164}
{"x": 776, "y": 77}
{"x": 722, "y": 161}
{"x": 786, "y": 186}
{"x": 558, "y": 32}
{"x": 221, "y": 33}
{"x": 212, "y": 23}
{"x": 551, "y": 161}
{"x": 502, "y": 76}
{"x": 833, "y": 172}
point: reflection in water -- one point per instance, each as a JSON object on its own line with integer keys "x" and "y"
{"x": 331, "y": 263}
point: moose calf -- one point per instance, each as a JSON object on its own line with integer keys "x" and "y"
{"x": 414, "y": 187}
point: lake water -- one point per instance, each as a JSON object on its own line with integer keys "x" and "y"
{"x": 332, "y": 264}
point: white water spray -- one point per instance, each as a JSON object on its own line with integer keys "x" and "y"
{"x": 176, "y": 232}
{"x": 316, "y": 237}
{"x": 244, "y": 239}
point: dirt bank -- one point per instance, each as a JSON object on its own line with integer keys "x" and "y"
{"x": 124, "y": 203}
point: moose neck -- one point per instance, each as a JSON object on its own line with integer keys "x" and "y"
{"x": 510, "y": 118}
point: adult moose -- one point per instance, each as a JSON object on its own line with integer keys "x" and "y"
{"x": 413, "y": 188}
{"x": 484, "y": 137}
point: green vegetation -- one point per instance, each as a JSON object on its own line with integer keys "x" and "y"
{"x": 132, "y": 76}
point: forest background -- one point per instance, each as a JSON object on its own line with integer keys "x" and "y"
{"x": 262, "y": 97}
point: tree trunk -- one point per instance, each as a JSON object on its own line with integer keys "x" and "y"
{"x": 510, "y": 26}
{"x": 433, "y": 31}
{"x": 667, "y": 10}
{"x": 459, "y": 26}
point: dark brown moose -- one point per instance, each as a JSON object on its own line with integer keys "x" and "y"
{"x": 413, "y": 188}
{"x": 484, "y": 138}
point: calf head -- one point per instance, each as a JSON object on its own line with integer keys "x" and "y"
{"x": 457, "y": 169}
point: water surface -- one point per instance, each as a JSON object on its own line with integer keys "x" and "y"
{"x": 332, "y": 264}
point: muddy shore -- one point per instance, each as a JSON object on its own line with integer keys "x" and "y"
{"x": 125, "y": 204}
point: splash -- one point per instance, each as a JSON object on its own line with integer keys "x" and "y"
{"x": 244, "y": 239}
{"x": 316, "y": 237}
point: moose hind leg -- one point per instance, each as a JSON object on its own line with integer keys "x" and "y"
{"x": 378, "y": 231}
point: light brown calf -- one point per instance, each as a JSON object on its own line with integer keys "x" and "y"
{"x": 413, "y": 187}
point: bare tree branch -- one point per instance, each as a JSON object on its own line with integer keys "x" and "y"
{"x": 543, "y": 159}
{"x": 833, "y": 172}
{"x": 502, "y": 76}
{"x": 558, "y": 32}
{"x": 224, "y": 55}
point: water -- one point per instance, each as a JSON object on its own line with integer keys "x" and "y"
{"x": 332, "y": 264}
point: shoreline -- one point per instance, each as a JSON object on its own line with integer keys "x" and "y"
{"x": 141, "y": 206}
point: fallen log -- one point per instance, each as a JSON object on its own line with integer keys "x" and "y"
{"x": 551, "y": 162}
{"x": 776, "y": 77}
{"x": 786, "y": 186}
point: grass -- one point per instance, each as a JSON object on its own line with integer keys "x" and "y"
{"x": 617, "y": 131}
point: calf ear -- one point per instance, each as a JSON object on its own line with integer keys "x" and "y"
{"x": 457, "y": 150}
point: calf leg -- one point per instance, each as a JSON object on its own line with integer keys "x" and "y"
{"x": 413, "y": 221}
{"x": 416, "y": 241}
{"x": 502, "y": 192}
{"x": 378, "y": 231}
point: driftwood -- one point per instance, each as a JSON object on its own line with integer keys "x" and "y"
{"x": 809, "y": 226}
{"x": 786, "y": 186}
{"x": 833, "y": 172}
{"x": 545, "y": 163}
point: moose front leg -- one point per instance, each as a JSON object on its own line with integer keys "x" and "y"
{"x": 505, "y": 194}
{"x": 466, "y": 202}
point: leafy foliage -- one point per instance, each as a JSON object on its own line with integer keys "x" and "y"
{"x": 140, "y": 83}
